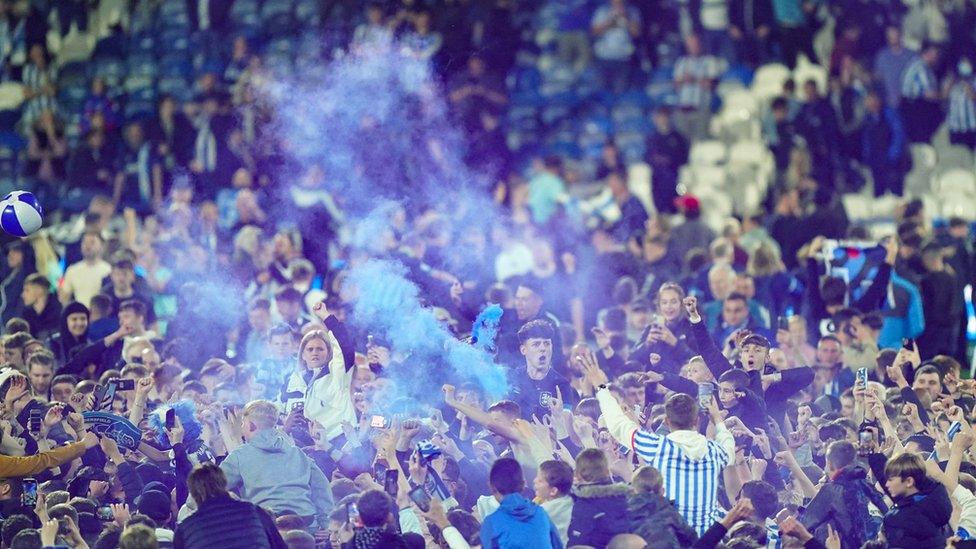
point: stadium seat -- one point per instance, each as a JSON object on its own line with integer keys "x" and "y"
{"x": 707, "y": 153}
{"x": 957, "y": 182}
{"x": 768, "y": 80}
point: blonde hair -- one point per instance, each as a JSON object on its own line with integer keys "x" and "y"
{"x": 307, "y": 338}
{"x": 765, "y": 260}
{"x": 263, "y": 413}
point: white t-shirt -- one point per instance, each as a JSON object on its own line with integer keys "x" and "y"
{"x": 967, "y": 509}
{"x": 84, "y": 280}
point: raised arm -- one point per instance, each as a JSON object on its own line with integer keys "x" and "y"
{"x": 339, "y": 332}
{"x": 479, "y": 416}
{"x": 703, "y": 343}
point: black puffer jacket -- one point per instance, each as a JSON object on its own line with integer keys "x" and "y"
{"x": 599, "y": 513}
{"x": 919, "y": 521}
{"x": 228, "y": 524}
{"x": 657, "y": 521}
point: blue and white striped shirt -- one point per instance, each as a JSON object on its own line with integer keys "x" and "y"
{"x": 962, "y": 106}
{"x": 689, "y": 463}
{"x": 918, "y": 80}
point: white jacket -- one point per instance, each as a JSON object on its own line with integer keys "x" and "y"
{"x": 328, "y": 400}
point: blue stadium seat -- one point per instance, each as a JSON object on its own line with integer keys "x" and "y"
{"x": 641, "y": 125}
{"x": 175, "y": 65}
{"x": 565, "y": 149}
{"x": 139, "y": 109}
{"x": 175, "y": 40}
{"x": 633, "y": 146}
{"x": 143, "y": 43}
{"x": 634, "y": 98}
{"x": 142, "y": 65}
{"x": 525, "y": 79}
{"x": 741, "y": 73}
{"x": 71, "y": 99}
{"x": 176, "y": 86}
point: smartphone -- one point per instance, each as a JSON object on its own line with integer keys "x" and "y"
{"x": 29, "y": 495}
{"x": 545, "y": 397}
{"x": 419, "y": 496}
{"x": 390, "y": 482}
{"x": 104, "y": 513}
{"x": 953, "y": 430}
{"x": 705, "y": 391}
{"x": 34, "y": 420}
{"x": 907, "y": 343}
{"x": 782, "y": 515}
{"x": 99, "y": 393}
{"x": 862, "y": 377}
{"x": 865, "y": 437}
{"x": 377, "y": 422}
{"x": 124, "y": 384}
{"x": 352, "y": 514}
{"x": 783, "y": 323}
{"x": 170, "y": 419}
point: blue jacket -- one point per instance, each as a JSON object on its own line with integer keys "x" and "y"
{"x": 272, "y": 472}
{"x": 519, "y": 523}
{"x": 904, "y": 318}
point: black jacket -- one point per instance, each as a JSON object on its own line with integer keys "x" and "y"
{"x": 46, "y": 322}
{"x": 599, "y": 513}
{"x": 657, "y": 521}
{"x": 919, "y": 521}
{"x": 228, "y": 524}
{"x": 843, "y": 504}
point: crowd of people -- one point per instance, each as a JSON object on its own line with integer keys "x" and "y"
{"x": 187, "y": 363}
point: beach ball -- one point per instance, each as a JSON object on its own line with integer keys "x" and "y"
{"x": 20, "y": 213}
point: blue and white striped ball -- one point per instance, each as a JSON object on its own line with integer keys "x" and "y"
{"x": 20, "y": 213}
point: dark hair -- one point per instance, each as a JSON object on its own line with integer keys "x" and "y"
{"x": 508, "y": 407}
{"x": 738, "y": 378}
{"x": 101, "y": 303}
{"x": 736, "y": 296}
{"x": 505, "y": 477}
{"x": 16, "y": 325}
{"x": 261, "y": 303}
{"x": 763, "y": 498}
{"x": 64, "y": 378}
{"x": 38, "y": 279}
{"x": 28, "y": 538}
{"x": 17, "y": 341}
{"x": 615, "y": 320}
{"x": 535, "y": 329}
{"x": 13, "y": 525}
{"x": 466, "y": 524}
{"x": 928, "y": 369}
{"x": 374, "y": 507}
{"x": 840, "y": 454}
{"x": 207, "y": 481}
{"x": 681, "y": 411}
{"x": 137, "y": 307}
{"x": 281, "y": 329}
{"x": 834, "y": 291}
{"x": 779, "y": 103}
{"x": 558, "y": 474}
{"x": 288, "y": 293}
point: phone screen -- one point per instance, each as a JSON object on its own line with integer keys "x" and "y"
{"x": 352, "y": 514}
{"x": 29, "y": 496}
{"x": 34, "y": 420}
{"x": 104, "y": 513}
{"x": 377, "y": 422}
{"x": 390, "y": 482}
{"x": 419, "y": 496}
{"x": 170, "y": 418}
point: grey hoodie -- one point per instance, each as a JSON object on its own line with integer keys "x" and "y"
{"x": 270, "y": 471}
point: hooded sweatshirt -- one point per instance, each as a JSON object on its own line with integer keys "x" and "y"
{"x": 270, "y": 471}
{"x": 63, "y": 344}
{"x": 519, "y": 523}
{"x": 690, "y": 463}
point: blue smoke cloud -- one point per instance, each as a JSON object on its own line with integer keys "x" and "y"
{"x": 377, "y": 125}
